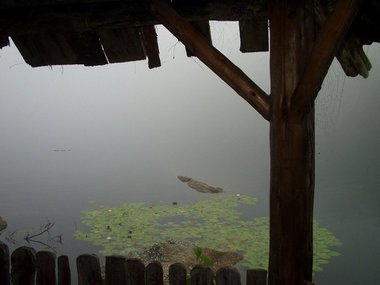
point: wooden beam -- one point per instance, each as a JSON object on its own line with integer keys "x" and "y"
{"x": 324, "y": 51}
{"x": 210, "y": 56}
{"x": 204, "y": 28}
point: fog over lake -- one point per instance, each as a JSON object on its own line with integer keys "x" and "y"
{"x": 120, "y": 133}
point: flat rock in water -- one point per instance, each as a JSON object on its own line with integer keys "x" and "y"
{"x": 3, "y": 224}
{"x": 172, "y": 251}
{"x": 199, "y": 186}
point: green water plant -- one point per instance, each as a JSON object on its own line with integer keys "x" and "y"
{"x": 218, "y": 222}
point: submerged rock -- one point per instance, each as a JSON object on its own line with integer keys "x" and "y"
{"x": 199, "y": 186}
{"x": 172, "y": 251}
{"x": 3, "y": 224}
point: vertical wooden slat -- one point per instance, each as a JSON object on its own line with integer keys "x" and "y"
{"x": 256, "y": 277}
{"x": 150, "y": 43}
{"x": 228, "y": 276}
{"x": 154, "y": 274}
{"x": 201, "y": 275}
{"x": 254, "y": 35}
{"x": 89, "y": 272}
{"x": 116, "y": 270}
{"x": 45, "y": 268}
{"x": 122, "y": 45}
{"x": 135, "y": 272}
{"x": 4, "y": 264}
{"x": 23, "y": 262}
{"x": 204, "y": 28}
{"x": 64, "y": 273}
{"x": 177, "y": 274}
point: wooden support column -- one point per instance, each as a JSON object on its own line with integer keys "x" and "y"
{"x": 299, "y": 64}
{"x": 291, "y": 146}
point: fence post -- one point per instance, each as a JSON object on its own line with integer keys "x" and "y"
{"x": 201, "y": 275}
{"x": 228, "y": 276}
{"x": 45, "y": 268}
{"x": 116, "y": 270}
{"x": 4, "y": 264}
{"x": 177, "y": 274}
{"x": 154, "y": 274}
{"x": 135, "y": 272}
{"x": 23, "y": 262}
{"x": 89, "y": 272}
{"x": 64, "y": 273}
{"x": 256, "y": 277}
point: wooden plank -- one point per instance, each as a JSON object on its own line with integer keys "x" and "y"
{"x": 116, "y": 270}
{"x": 254, "y": 35}
{"x": 228, "y": 276}
{"x": 64, "y": 272}
{"x": 201, "y": 275}
{"x": 154, "y": 274}
{"x": 23, "y": 266}
{"x": 177, "y": 274}
{"x": 57, "y": 49}
{"x": 150, "y": 43}
{"x": 121, "y": 45}
{"x": 256, "y": 277}
{"x": 89, "y": 272}
{"x": 4, "y": 264}
{"x": 204, "y": 28}
{"x": 45, "y": 268}
{"x": 135, "y": 272}
{"x": 210, "y": 56}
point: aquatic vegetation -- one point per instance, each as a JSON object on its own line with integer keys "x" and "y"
{"x": 215, "y": 223}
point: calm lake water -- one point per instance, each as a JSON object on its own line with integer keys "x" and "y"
{"x": 129, "y": 131}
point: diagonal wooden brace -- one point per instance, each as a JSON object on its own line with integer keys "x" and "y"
{"x": 324, "y": 51}
{"x": 210, "y": 56}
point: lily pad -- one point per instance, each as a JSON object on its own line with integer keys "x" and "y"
{"x": 213, "y": 223}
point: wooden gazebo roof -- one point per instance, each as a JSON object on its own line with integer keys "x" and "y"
{"x": 97, "y": 32}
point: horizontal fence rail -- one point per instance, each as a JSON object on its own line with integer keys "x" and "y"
{"x": 25, "y": 266}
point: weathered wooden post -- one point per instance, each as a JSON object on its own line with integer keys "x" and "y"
{"x": 4, "y": 264}
{"x": 23, "y": 263}
{"x": 177, "y": 274}
{"x": 45, "y": 268}
{"x": 299, "y": 62}
{"x": 64, "y": 272}
{"x": 89, "y": 271}
{"x": 291, "y": 146}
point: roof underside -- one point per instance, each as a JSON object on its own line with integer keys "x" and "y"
{"x": 97, "y": 32}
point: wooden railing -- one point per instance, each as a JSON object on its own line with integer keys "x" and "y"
{"x": 25, "y": 266}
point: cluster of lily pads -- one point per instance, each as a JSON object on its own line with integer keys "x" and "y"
{"x": 216, "y": 223}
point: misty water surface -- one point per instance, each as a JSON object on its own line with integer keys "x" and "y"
{"x": 129, "y": 131}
